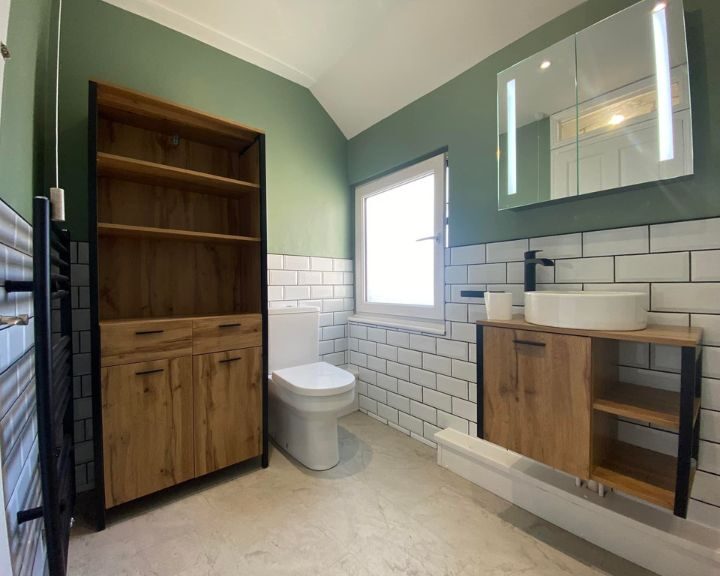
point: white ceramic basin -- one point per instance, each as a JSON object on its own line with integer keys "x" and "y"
{"x": 587, "y": 310}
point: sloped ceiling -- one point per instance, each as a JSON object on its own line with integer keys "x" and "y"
{"x": 362, "y": 59}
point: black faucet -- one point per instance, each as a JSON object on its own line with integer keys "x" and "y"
{"x": 530, "y": 262}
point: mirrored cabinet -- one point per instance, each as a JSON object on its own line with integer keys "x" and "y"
{"x": 606, "y": 108}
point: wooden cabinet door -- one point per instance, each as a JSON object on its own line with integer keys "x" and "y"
{"x": 228, "y": 408}
{"x": 537, "y": 396}
{"x": 147, "y": 427}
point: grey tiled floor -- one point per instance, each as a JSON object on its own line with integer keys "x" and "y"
{"x": 387, "y": 508}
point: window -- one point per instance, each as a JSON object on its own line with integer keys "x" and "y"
{"x": 400, "y": 229}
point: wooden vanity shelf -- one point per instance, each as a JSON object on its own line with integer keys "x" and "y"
{"x": 178, "y": 290}
{"x": 553, "y": 394}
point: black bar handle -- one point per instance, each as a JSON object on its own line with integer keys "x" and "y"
{"x": 234, "y": 325}
{"x": 530, "y": 343}
{"x": 146, "y": 332}
{"x": 230, "y": 360}
{"x": 29, "y": 514}
{"x": 146, "y": 372}
{"x": 472, "y": 293}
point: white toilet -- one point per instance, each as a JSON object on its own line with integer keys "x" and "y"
{"x": 306, "y": 396}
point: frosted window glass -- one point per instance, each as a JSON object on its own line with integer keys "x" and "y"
{"x": 399, "y": 267}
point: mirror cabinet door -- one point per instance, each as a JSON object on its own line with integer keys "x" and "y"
{"x": 633, "y": 112}
{"x": 529, "y": 94}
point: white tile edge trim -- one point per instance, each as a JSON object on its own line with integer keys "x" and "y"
{"x": 635, "y": 531}
{"x": 426, "y": 327}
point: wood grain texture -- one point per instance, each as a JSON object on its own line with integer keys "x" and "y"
{"x": 170, "y": 149}
{"x": 121, "y": 202}
{"x": 144, "y": 340}
{"x": 147, "y": 411}
{"x": 639, "y": 472}
{"x": 541, "y": 395}
{"x": 654, "y": 334}
{"x": 144, "y": 278}
{"x": 230, "y": 332}
{"x": 138, "y": 109}
{"x": 130, "y": 169}
{"x": 228, "y": 396}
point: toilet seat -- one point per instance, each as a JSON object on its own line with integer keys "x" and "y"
{"x": 316, "y": 379}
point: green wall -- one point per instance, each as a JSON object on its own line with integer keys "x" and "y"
{"x": 461, "y": 115}
{"x": 24, "y": 128}
{"x": 309, "y": 204}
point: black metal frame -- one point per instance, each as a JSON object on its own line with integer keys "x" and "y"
{"x": 480, "y": 367}
{"x": 265, "y": 458}
{"x": 54, "y": 383}
{"x": 689, "y": 431}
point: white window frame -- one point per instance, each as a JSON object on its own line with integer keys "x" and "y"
{"x": 399, "y": 314}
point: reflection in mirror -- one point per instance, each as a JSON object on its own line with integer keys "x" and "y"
{"x": 633, "y": 119}
{"x": 629, "y": 123}
{"x": 529, "y": 94}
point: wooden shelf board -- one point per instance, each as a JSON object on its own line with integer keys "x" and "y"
{"x": 642, "y": 403}
{"x": 653, "y": 334}
{"x": 149, "y": 112}
{"x": 106, "y": 229}
{"x": 124, "y": 168}
{"x": 161, "y": 319}
{"x": 639, "y": 472}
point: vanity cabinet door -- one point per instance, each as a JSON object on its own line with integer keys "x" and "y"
{"x": 228, "y": 408}
{"x": 536, "y": 391}
{"x": 147, "y": 427}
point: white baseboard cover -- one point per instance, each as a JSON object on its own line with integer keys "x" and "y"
{"x": 636, "y": 531}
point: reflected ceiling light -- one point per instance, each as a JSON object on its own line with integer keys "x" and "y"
{"x": 662, "y": 77}
{"x": 545, "y": 64}
{"x": 511, "y": 138}
{"x": 616, "y": 119}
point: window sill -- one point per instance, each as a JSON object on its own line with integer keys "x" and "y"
{"x": 436, "y": 327}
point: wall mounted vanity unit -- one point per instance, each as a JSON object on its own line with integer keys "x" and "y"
{"x": 554, "y": 395}
{"x": 606, "y": 108}
{"x": 178, "y": 294}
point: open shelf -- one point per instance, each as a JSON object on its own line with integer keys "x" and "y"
{"x": 145, "y": 320}
{"x": 105, "y": 229}
{"x": 652, "y": 405}
{"x": 124, "y": 168}
{"x": 639, "y": 472}
{"x": 136, "y": 109}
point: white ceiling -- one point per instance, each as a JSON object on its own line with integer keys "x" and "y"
{"x": 362, "y": 59}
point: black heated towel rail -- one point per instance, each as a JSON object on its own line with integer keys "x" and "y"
{"x": 53, "y": 379}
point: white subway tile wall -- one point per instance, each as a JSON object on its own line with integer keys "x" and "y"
{"x": 18, "y": 420}
{"x": 82, "y": 378}
{"x": 428, "y": 382}
{"x": 325, "y": 283}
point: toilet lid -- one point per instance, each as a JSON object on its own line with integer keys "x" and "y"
{"x": 316, "y": 379}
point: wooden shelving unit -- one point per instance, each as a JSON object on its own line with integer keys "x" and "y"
{"x": 124, "y": 230}
{"x": 178, "y": 255}
{"x": 154, "y": 174}
{"x": 553, "y": 427}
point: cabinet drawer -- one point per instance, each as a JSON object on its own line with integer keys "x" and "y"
{"x": 223, "y": 333}
{"x": 142, "y": 340}
{"x": 147, "y": 411}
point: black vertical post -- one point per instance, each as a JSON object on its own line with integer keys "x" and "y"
{"x": 265, "y": 461}
{"x": 480, "y": 380}
{"x": 44, "y": 381}
{"x": 99, "y": 508}
{"x": 688, "y": 387}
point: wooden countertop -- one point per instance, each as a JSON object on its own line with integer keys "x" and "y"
{"x": 653, "y": 334}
